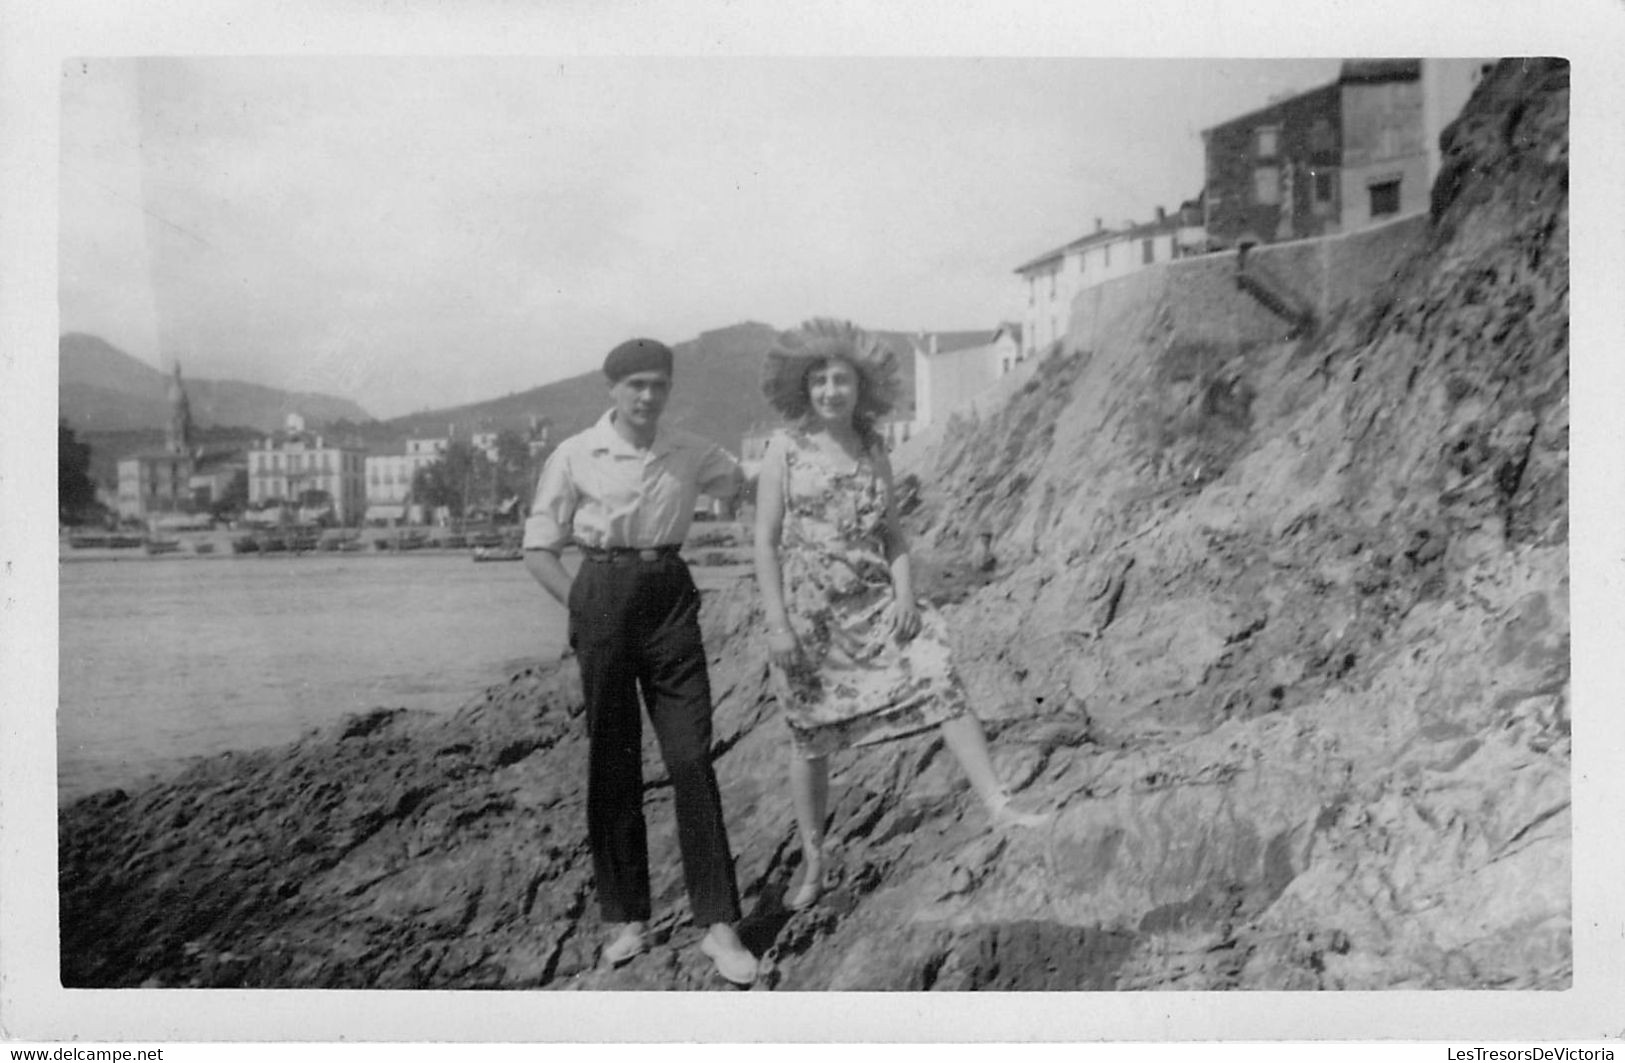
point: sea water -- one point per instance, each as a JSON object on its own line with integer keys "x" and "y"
{"x": 167, "y": 659}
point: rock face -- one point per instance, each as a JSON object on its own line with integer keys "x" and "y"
{"x": 1278, "y": 628}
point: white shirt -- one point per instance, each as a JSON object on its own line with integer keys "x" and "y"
{"x": 603, "y": 492}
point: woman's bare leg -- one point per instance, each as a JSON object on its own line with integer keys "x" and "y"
{"x": 966, "y": 740}
{"x": 809, "y": 789}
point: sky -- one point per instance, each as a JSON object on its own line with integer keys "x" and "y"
{"x": 419, "y": 232}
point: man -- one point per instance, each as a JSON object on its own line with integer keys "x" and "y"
{"x": 624, "y": 491}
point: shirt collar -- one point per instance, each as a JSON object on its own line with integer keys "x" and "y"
{"x": 606, "y": 438}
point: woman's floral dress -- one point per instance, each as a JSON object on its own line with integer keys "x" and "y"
{"x": 856, "y": 685}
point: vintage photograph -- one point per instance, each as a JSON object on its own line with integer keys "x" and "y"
{"x": 814, "y": 524}
{"x": 579, "y": 529}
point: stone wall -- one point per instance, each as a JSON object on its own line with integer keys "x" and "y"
{"x": 1199, "y": 299}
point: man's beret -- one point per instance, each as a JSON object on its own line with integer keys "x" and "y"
{"x": 637, "y": 356}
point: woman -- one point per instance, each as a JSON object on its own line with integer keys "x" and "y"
{"x": 854, "y": 658}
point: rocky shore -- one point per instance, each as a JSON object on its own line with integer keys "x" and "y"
{"x": 1277, "y": 629}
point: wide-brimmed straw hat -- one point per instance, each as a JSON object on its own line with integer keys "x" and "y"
{"x": 784, "y": 373}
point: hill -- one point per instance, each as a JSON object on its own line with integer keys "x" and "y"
{"x": 716, "y": 394}
{"x": 104, "y": 389}
{"x": 1278, "y": 630}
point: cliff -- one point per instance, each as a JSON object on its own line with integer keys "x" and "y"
{"x": 1278, "y": 630}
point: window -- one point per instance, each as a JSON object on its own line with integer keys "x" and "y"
{"x": 1052, "y": 284}
{"x": 1268, "y": 135}
{"x": 1267, "y": 185}
{"x": 1148, "y": 252}
{"x": 1323, "y": 186}
{"x": 1108, "y": 250}
{"x": 1385, "y": 198}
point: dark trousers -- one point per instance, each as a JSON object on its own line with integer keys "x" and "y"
{"x": 636, "y": 625}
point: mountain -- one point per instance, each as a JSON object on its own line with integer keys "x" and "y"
{"x": 103, "y": 389}
{"x": 716, "y": 394}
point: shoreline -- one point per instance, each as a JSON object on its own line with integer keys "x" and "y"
{"x": 727, "y": 545}
{"x": 710, "y": 579}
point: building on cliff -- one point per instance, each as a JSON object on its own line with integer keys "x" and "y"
{"x": 1353, "y": 153}
{"x": 295, "y": 467}
{"x": 1051, "y": 281}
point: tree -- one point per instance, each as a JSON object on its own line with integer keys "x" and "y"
{"x": 75, "y": 490}
{"x": 451, "y": 480}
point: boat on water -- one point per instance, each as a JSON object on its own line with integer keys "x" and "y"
{"x": 162, "y": 546}
{"x": 498, "y": 553}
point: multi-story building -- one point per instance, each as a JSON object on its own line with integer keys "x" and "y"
{"x": 155, "y": 482}
{"x": 1350, "y": 154}
{"x": 286, "y": 466}
{"x": 1051, "y": 281}
{"x": 1048, "y": 284}
{"x": 1274, "y": 173}
{"x": 389, "y": 479}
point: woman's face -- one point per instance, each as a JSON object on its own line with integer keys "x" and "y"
{"x": 832, "y": 388}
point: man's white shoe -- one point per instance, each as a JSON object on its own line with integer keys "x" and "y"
{"x": 627, "y": 944}
{"x": 733, "y": 961}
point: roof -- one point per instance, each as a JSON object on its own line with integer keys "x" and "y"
{"x": 1091, "y": 237}
{"x": 1042, "y": 260}
{"x": 1257, "y": 113}
{"x": 1170, "y": 223}
{"x": 1098, "y": 236}
{"x": 1357, "y": 71}
{"x": 948, "y": 342}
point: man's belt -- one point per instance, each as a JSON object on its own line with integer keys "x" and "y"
{"x": 629, "y": 554}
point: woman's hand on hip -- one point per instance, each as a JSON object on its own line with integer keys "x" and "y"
{"x": 783, "y": 648}
{"x": 906, "y": 621}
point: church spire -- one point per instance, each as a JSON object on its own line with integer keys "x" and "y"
{"x": 178, "y": 435}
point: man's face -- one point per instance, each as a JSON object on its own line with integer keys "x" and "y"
{"x": 640, "y": 398}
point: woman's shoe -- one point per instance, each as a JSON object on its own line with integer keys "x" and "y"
{"x": 626, "y": 945}
{"x": 1005, "y": 814}
{"x": 812, "y": 881}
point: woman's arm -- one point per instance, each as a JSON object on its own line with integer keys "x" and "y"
{"x": 906, "y": 623}
{"x": 782, "y": 646}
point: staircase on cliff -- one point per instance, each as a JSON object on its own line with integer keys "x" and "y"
{"x": 1274, "y": 293}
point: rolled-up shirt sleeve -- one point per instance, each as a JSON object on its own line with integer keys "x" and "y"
{"x": 719, "y": 474}
{"x": 552, "y": 512}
